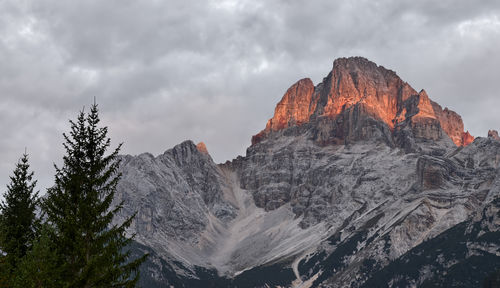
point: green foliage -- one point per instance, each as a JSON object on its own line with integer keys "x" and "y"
{"x": 89, "y": 247}
{"x": 39, "y": 268}
{"x": 4, "y": 272}
{"x": 17, "y": 219}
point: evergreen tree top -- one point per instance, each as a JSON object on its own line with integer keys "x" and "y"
{"x": 21, "y": 183}
{"x": 18, "y": 213}
{"x": 79, "y": 208}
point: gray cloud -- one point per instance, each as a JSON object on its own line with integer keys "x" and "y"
{"x": 212, "y": 71}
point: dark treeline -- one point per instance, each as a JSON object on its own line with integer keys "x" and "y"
{"x": 68, "y": 238}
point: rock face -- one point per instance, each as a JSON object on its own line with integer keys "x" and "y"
{"x": 453, "y": 126}
{"x": 350, "y": 179}
{"x": 202, "y": 148}
{"x": 295, "y": 108}
{"x": 493, "y": 134}
{"x": 360, "y": 100}
{"x": 181, "y": 187}
{"x": 467, "y": 138}
{"x": 467, "y": 250}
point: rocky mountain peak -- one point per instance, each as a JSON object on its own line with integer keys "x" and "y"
{"x": 187, "y": 153}
{"x": 202, "y": 148}
{"x": 359, "y": 98}
{"x": 357, "y": 80}
{"x": 295, "y": 108}
{"x": 361, "y": 65}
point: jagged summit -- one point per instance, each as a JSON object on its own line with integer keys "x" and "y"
{"x": 359, "y": 100}
{"x": 202, "y": 148}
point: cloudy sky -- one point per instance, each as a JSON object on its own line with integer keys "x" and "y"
{"x": 212, "y": 71}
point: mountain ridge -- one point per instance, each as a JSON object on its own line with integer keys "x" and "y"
{"x": 335, "y": 190}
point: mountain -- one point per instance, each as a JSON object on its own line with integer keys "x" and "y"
{"x": 359, "y": 181}
{"x": 366, "y": 101}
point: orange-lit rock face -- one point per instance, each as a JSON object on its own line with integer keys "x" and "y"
{"x": 357, "y": 80}
{"x": 452, "y": 124}
{"x": 467, "y": 138}
{"x": 424, "y": 106}
{"x": 202, "y": 148}
{"x": 295, "y": 107}
{"x": 382, "y": 94}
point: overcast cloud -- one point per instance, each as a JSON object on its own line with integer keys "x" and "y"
{"x": 212, "y": 71}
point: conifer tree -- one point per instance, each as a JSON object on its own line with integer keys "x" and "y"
{"x": 18, "y": 217}
{"x": 39, "y": 268}
{"x": 79, "y": 208}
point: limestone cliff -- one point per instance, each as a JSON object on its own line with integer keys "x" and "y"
{"x": 353, "y": 97}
